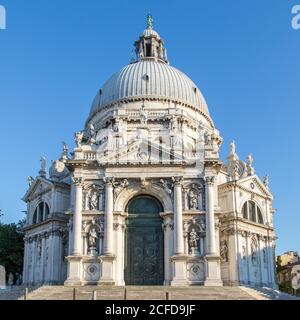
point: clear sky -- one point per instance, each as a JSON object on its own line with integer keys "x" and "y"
{"x": 243, "y": 55}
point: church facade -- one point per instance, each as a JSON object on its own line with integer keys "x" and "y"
{"x": 144, "y": 198}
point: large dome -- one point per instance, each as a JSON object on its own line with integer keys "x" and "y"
{"x": 152, "y": 79}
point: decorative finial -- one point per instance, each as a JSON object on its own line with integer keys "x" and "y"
{"x": 149, "y": 22}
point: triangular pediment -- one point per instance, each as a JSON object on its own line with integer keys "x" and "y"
{"x": 254, "y": 184}
{"x": 39, "y": 186}
{"x": 142, "y": 151}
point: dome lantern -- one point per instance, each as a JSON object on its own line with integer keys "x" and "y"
{"x": 150, "y": 45}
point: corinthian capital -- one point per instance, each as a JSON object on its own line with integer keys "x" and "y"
{"x": 108, "y": 180}
{"x": 177, "y": 180}
{"x": 210, "y": 180}
{"x": 78, "y": 182}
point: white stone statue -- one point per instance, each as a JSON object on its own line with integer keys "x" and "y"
{"x": 193, "y": 200}
{"x": 224, "y": 251}
{"x": 65, "y": 149}
{"x": 193, "y": 241}
{"x": 266, "y": 181}
{"x": 93, "y": 237}
{"x": 43, "y": 163}
{"x": 30, "y": 181}
{"x": 94, "y": 201}
{"x": 250, "y": 160}
{"x": 232, "y": 148}
{"x": 78, "y": 138}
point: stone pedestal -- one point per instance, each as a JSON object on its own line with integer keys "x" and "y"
{"x": 179, "y": 270}
{"x": 213, "y": 274}
{"x": 74, "y": 271}
{"x": 107, "y": 270}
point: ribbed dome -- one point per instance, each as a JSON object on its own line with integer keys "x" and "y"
{"x": 153, "y": 79}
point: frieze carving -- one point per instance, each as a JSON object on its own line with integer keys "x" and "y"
{"x": 246, "y": 233}
{"x": 61, "y": 232}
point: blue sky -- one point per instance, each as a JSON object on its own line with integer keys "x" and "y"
{"x": 243, "y": 55}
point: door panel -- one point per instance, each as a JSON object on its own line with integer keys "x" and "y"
{"x": 144, "y": 262}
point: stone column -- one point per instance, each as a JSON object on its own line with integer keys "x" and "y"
{"x": 109, "y": 218}
{"x": 119, "y": 247}
{"x": 77, "y": 218}
{"x": 213, "y": 270}
{"x": 74, "y": 261}
{"x": 210, "y": 216}
{"x": 108, "y": 257}
{"x": 179, "y": 258}
{"x": 178, "y": 239}
{"x": 167, "y": 227}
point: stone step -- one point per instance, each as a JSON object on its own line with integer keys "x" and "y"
{"x": 141, "y": 293}
{"x": 145, "y": 293}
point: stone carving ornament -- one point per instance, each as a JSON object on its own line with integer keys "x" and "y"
{"x": 224, "y": 251}
{"x": 166, "y": 186}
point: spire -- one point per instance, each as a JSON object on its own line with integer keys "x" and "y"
{"x": 149, "y": 22}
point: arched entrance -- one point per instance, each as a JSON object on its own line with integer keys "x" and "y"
{"x": 144, "y": 249}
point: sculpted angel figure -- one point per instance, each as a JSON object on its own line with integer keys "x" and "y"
{"x": 78, "y": 138}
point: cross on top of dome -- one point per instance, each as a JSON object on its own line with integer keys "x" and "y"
{"x": 150, "y": 45}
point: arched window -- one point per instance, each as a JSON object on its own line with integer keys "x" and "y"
{"x": 46, "y": 211}
{"x": 252, "y": 212}
{"x": 259, "y": 216}
{"x": 41, "y": 213}
{"x": 34, "y": 219}
{"x": 245, "y": 210}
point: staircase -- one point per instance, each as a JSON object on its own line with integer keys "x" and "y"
{"x": 144, "y": 293}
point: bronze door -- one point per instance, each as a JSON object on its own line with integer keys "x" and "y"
{"x": 144, "y": 264}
